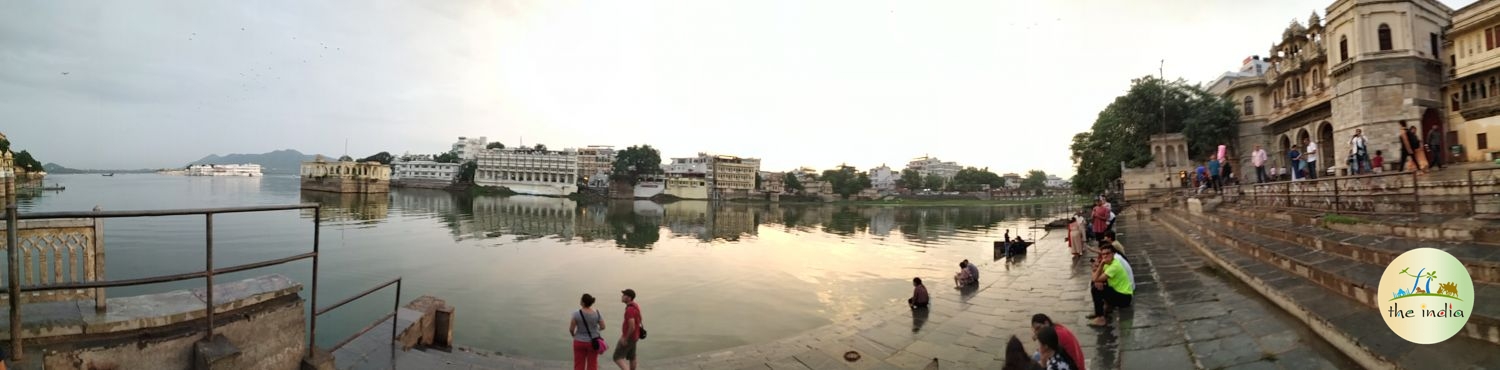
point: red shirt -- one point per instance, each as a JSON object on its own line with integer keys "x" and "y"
{"x": 1101, "y": 219}
{"x": 1069, "y": 344}
{"x": 633, "y": 311}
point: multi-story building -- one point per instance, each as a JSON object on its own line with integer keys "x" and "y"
{"x": 772, "y": 182}
{"x": 883, "y": 179}
{"x": 1371, "y": 65}
{"x": 926, "y": 165}
{"x": 731, "y": 177}
{"x": 1056, "y": 182}
{"x": 468, "y": 149}
{"x": 421, "y": 173}
{"x": 1011, "y": 180}
{"x": 529, "y": 171}
{"x": 687, "y": 178}
{"x": 595, "y": 162}
{"x": 1473, "y": 91}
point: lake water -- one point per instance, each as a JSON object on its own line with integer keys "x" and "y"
{"x": 709, "y": 276}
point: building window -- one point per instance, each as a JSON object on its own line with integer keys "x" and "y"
{"x": 1454, "y": 102}
{"x": 1384, "y": 34}
{"x": 1483, "y": 141}
{"x": 1343, "y": 48}
{"x": 1432, "y": 40}
{"x": 1489, "y": 38}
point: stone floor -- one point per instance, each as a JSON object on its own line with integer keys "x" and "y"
{"x": 1195, "y": 320}
{"x": 1188, "y": 315}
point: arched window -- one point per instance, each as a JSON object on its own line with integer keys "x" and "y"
{"x": 1384, "y": 33}
{"x": 1343, "y": 48}
{"x": 1249, "y": 106}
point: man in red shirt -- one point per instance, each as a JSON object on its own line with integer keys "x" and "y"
{"x": 630, "y": 332}
{"x": 1065, "y": 337}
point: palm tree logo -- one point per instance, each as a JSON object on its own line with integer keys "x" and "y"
{"x": 1445, "y": 290}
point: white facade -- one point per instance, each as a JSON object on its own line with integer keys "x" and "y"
{"x": 527, "y": 171}
{"x": 883, "y": 178}
{"x": 424, "y": 170}
{"x": 1056, "y": 182}
{"x": 468, "y": 149}
{"x": 595, "y": 162}
{"x": 242, "y": 170}
{"x": 931, "y": 165}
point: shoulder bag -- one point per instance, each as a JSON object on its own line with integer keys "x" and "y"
{"x": 596, "y": 341}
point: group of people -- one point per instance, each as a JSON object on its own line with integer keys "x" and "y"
{"x": 587, "y": 328}
{"x": 1213, "y": 174}
{"x": 1304, "y": 158}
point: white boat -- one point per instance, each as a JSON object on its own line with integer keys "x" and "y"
{"x": 242, "y": 170}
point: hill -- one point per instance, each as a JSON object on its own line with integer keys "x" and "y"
{"x": 286, "y": 161}
{"x": 57, "y": 169}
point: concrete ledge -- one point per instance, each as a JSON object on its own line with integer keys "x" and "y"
{"x": 56, "y": 319}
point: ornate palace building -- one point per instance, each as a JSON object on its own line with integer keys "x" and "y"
{"x": 1368, "y": 65}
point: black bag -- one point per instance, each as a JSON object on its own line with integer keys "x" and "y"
{"x": 643, "y": 332}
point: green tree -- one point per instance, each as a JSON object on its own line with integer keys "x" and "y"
{"x": 757, "y": 181}
{"x": 974, "y": 179}
{"x": 539, "y": 147}
{"x": 24, "y": 160}
{"x": 934, "y": 182}
{"x": 790, "y": 183}
{"x": 4, "y": 145}
{"x": 449, "y": 157}
{"x": 846, "y": 181}
{"x": 466, "y": 171}
{"x": 1151, "y": 106}
{"x": 495, "y": 145}
{"x": 636, "y": 161}
{"x": 346, "y": 158}
{"x": 1035, "y": 179}
{"x": 382, "y": 157}
{"x": 910, "y": 179}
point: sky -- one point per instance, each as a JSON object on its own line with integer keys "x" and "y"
{"x": 997, "y": 84}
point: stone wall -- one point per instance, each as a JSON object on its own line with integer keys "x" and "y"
{"x": 342, "y": 185}
{"x": 269, "y": 335}
{"x": 1374, "y": 94}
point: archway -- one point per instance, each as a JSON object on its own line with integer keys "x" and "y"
{"x": 1432, "y": 119}
{"x": 1326, "y": 147}
{"x": 1286, "y": 146}
{"x": 1302, "y": 135}
{"x": 1171, "y": 158}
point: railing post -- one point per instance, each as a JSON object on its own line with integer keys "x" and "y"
{"x": 208, "y": 266}
{"x": 1336, "y": 199}
{"x": 14, "y": 276}
{"x": 1416, "y": 194}
{"x": 312, "y": 334}
{"x": 1473, "y": 202}
{"x": 100, "y": 301}
{"x": 396, "y": 310}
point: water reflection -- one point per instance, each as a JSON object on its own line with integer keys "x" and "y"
{"x": 358, "y": 207}
{"x": 640, "y": 224}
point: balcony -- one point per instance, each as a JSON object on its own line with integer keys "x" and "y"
{"x": 1480, "y": 108}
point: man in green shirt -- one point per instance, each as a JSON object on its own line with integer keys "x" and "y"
{"x": 1111, "y": 285}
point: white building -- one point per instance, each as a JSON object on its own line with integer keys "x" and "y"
{"x": 528, "y": 171}
{"x": 688, "y": 178}
{"x": 931, "y": 165}
{"x": 883, "y": 178}
{"x": 424, "y": 171}
{"x": 468, "y": 149}
{"x": 242, "y": 170}
{"x": 1056, "y": 182}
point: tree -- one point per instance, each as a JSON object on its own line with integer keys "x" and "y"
{"x": 757, "y": 181}
{"x": 910, "y": 179}
{"x": 790, "y": 182}
{"x": 466, "y": 171}
{"x": 846, "y": 180}
{"x": 1035, "y": 179}
{"x": 24, "y": 160}
{"x": 346, "y": 158}
{"x": 4, "y": 145}
{"x": 934, "y": 182}
{"x": 449, "y": 157}
{"x": 382, "y": 157}
{"x": 1151, "y": 106}
{"x": 634, "y": 162}
{"x": 974, "y": 179}
{"x": 495, "y": 145}
{"x": 539, "y": 147}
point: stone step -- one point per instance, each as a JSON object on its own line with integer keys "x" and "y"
{"x": 1456, "y": 227}
{"x": 1482, "y": 260}
{"x": 1349, "y": 325}
{"x": 1350, "y": 278}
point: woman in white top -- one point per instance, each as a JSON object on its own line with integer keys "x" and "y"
{"x": 585, "y": 325}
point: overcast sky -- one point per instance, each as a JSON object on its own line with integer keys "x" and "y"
{"x": 1003, "y": 84}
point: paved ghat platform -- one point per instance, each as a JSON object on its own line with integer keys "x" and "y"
{"x": 1195, "y": 319}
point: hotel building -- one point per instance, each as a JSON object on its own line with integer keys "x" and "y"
{"x": 529, "y": 171}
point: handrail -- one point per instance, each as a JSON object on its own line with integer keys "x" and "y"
{"x": 14, "y": 288}
{"x": 396, "y": 307}
{"x": 1335, "y": 195}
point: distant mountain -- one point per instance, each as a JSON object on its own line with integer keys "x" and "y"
{"x": 286, "y": 161}
{"x": 57, "y": 169}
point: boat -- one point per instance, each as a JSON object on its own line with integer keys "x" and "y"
{"x": 55, "y": 187}
{"x": 108, "y": 174}
{"x": 241, "y": 170}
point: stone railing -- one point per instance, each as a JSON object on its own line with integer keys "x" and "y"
{"x": 60, "y": 251}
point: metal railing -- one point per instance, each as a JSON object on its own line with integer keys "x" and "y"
{"x": 15, "y": 289}
{"x": 313, "y": 334}
{"x": 1362, "y": 194}
{"x": 1490, "y": 185}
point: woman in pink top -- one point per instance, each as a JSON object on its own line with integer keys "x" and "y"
{"x": 1101, "y": 217}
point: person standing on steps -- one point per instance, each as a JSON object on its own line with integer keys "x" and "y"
{"x": 1258, "y": 159}
{"x": 1216, "y": 174}
{"x": 585, "y": 326}
{"x": 1311, "y": 158}
{"x": 630, "y": 333}
{"x": 1360, "y": 150}
{"x": 1434, "y": 148}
